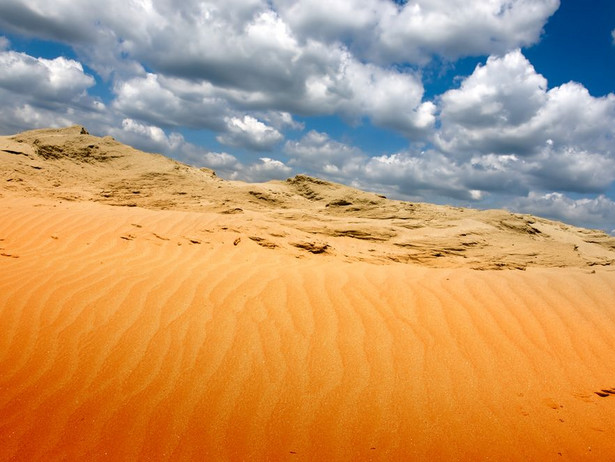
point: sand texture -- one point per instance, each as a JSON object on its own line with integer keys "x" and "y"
{"x": 152, "y": 311}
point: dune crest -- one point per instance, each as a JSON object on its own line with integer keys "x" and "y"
{"x": 152, "y": 311}
{"x": 71, "y": 165}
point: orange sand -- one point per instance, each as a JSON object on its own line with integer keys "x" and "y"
{"x": 134, "y": 334}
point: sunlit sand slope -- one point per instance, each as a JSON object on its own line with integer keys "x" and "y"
{"x": 320, "y": 216}
{"x": 134, "y": 334}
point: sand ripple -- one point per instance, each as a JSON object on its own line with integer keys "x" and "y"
{"x": 135, "y": 334}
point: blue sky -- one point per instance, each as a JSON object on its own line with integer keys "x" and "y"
{"x": 488, "y": 104}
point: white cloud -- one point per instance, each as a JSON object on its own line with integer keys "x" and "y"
{"x": 4, "y": 43}
{"x": 456, "y": 28}
{"x": 561, "y": 138}
{"x": 224, "y": 164}
{"x": 58, "y": 79}
{"x": 171, "y": 102}
{"x": 377, "y": 28}
{"x": 220, "y": 160}
{"x": 335, "y": 20}
{"x": 20, "y": 117}
{"x": 38, "y": 92}
{"x": 281, "y": 120}
{"x": 414, "y": 32}
{"x": 505, "y": 107}
{"x": 269, "y": 32}
{"x": 419, "y": 175}
{"x": 391, "y": 99}
{"x": 315, "y": 146}
{"x": 255, "y": 54}
{"x": 150, "y": 138}
{"x": 228, "y": 166}
{"x": 243, "y": 56}
{"x": 598, "y": 211}
{"x": 324, "y": 80}
{"x": 494, "y": 108}
{"x": 249, "y": 133}
{"x": 149, "y": 131}
{"x": 572, "y": 169}
{"x": 316, "y": 153}
{"x": 505, "y": 91}
{"x": 266, "y": 169}
{"x": 308, "y": 57}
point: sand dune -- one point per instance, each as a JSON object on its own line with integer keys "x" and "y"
{"x": 273, "y": 322}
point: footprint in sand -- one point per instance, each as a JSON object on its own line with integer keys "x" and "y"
{"x": 162, "y": 238}
{"x": 263, "y": 242}
{"x": 550, "y": 402}
{"x": 605, "y": 392}
{"x": 584, "y": 397}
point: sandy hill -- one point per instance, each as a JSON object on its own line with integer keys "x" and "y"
{"x": 151, "y": 311}
{"x": 303, "y": 212}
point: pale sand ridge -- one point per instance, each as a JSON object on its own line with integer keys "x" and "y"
{"x": 297, "y": 328}
{"x": 300, "y": 213}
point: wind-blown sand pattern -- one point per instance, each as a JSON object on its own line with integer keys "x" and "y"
{"x": 297, "y": 320}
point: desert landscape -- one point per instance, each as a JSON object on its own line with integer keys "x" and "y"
{"x": 153, "y": 311}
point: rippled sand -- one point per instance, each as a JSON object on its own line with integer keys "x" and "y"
{"x": 136, "y": 334}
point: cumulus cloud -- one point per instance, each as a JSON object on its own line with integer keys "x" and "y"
{"x": 170, "y": 102}
{"x": 281, "y": 120}
{"x": 415, "y": 31}
{"x": 150, "y": 138}
{"x": 572, "y": 169}
{"x": 493, "y": 109}
{"x": 254, "y": 55}
{"x": 557, "y": 139}
{"x": 316, "y": 153}
{"x": 504, "y": 107}
{"x": 412, "y": 32}
{"x": 58, "y": 79}
{"x": 266, "y": 169}
{"x": 330, "y": 80}
{"x": 336, "y": 19}
{"x": 250, "y": 133}
{"x": 217, "y": 160}
{"x": 598, "y": 211}
{"x": 38, "y": 92}
{"x": 47, "y": 20}
{"x": 389, "y": 98}
{"x": 458, "y": 28}
{"x": 308, "y": 57}
{"x": 244, "y": 54}
{"x": 228, "y": 166}
{"x": 419, "y": 175}
{"x": 506, "y": 90}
